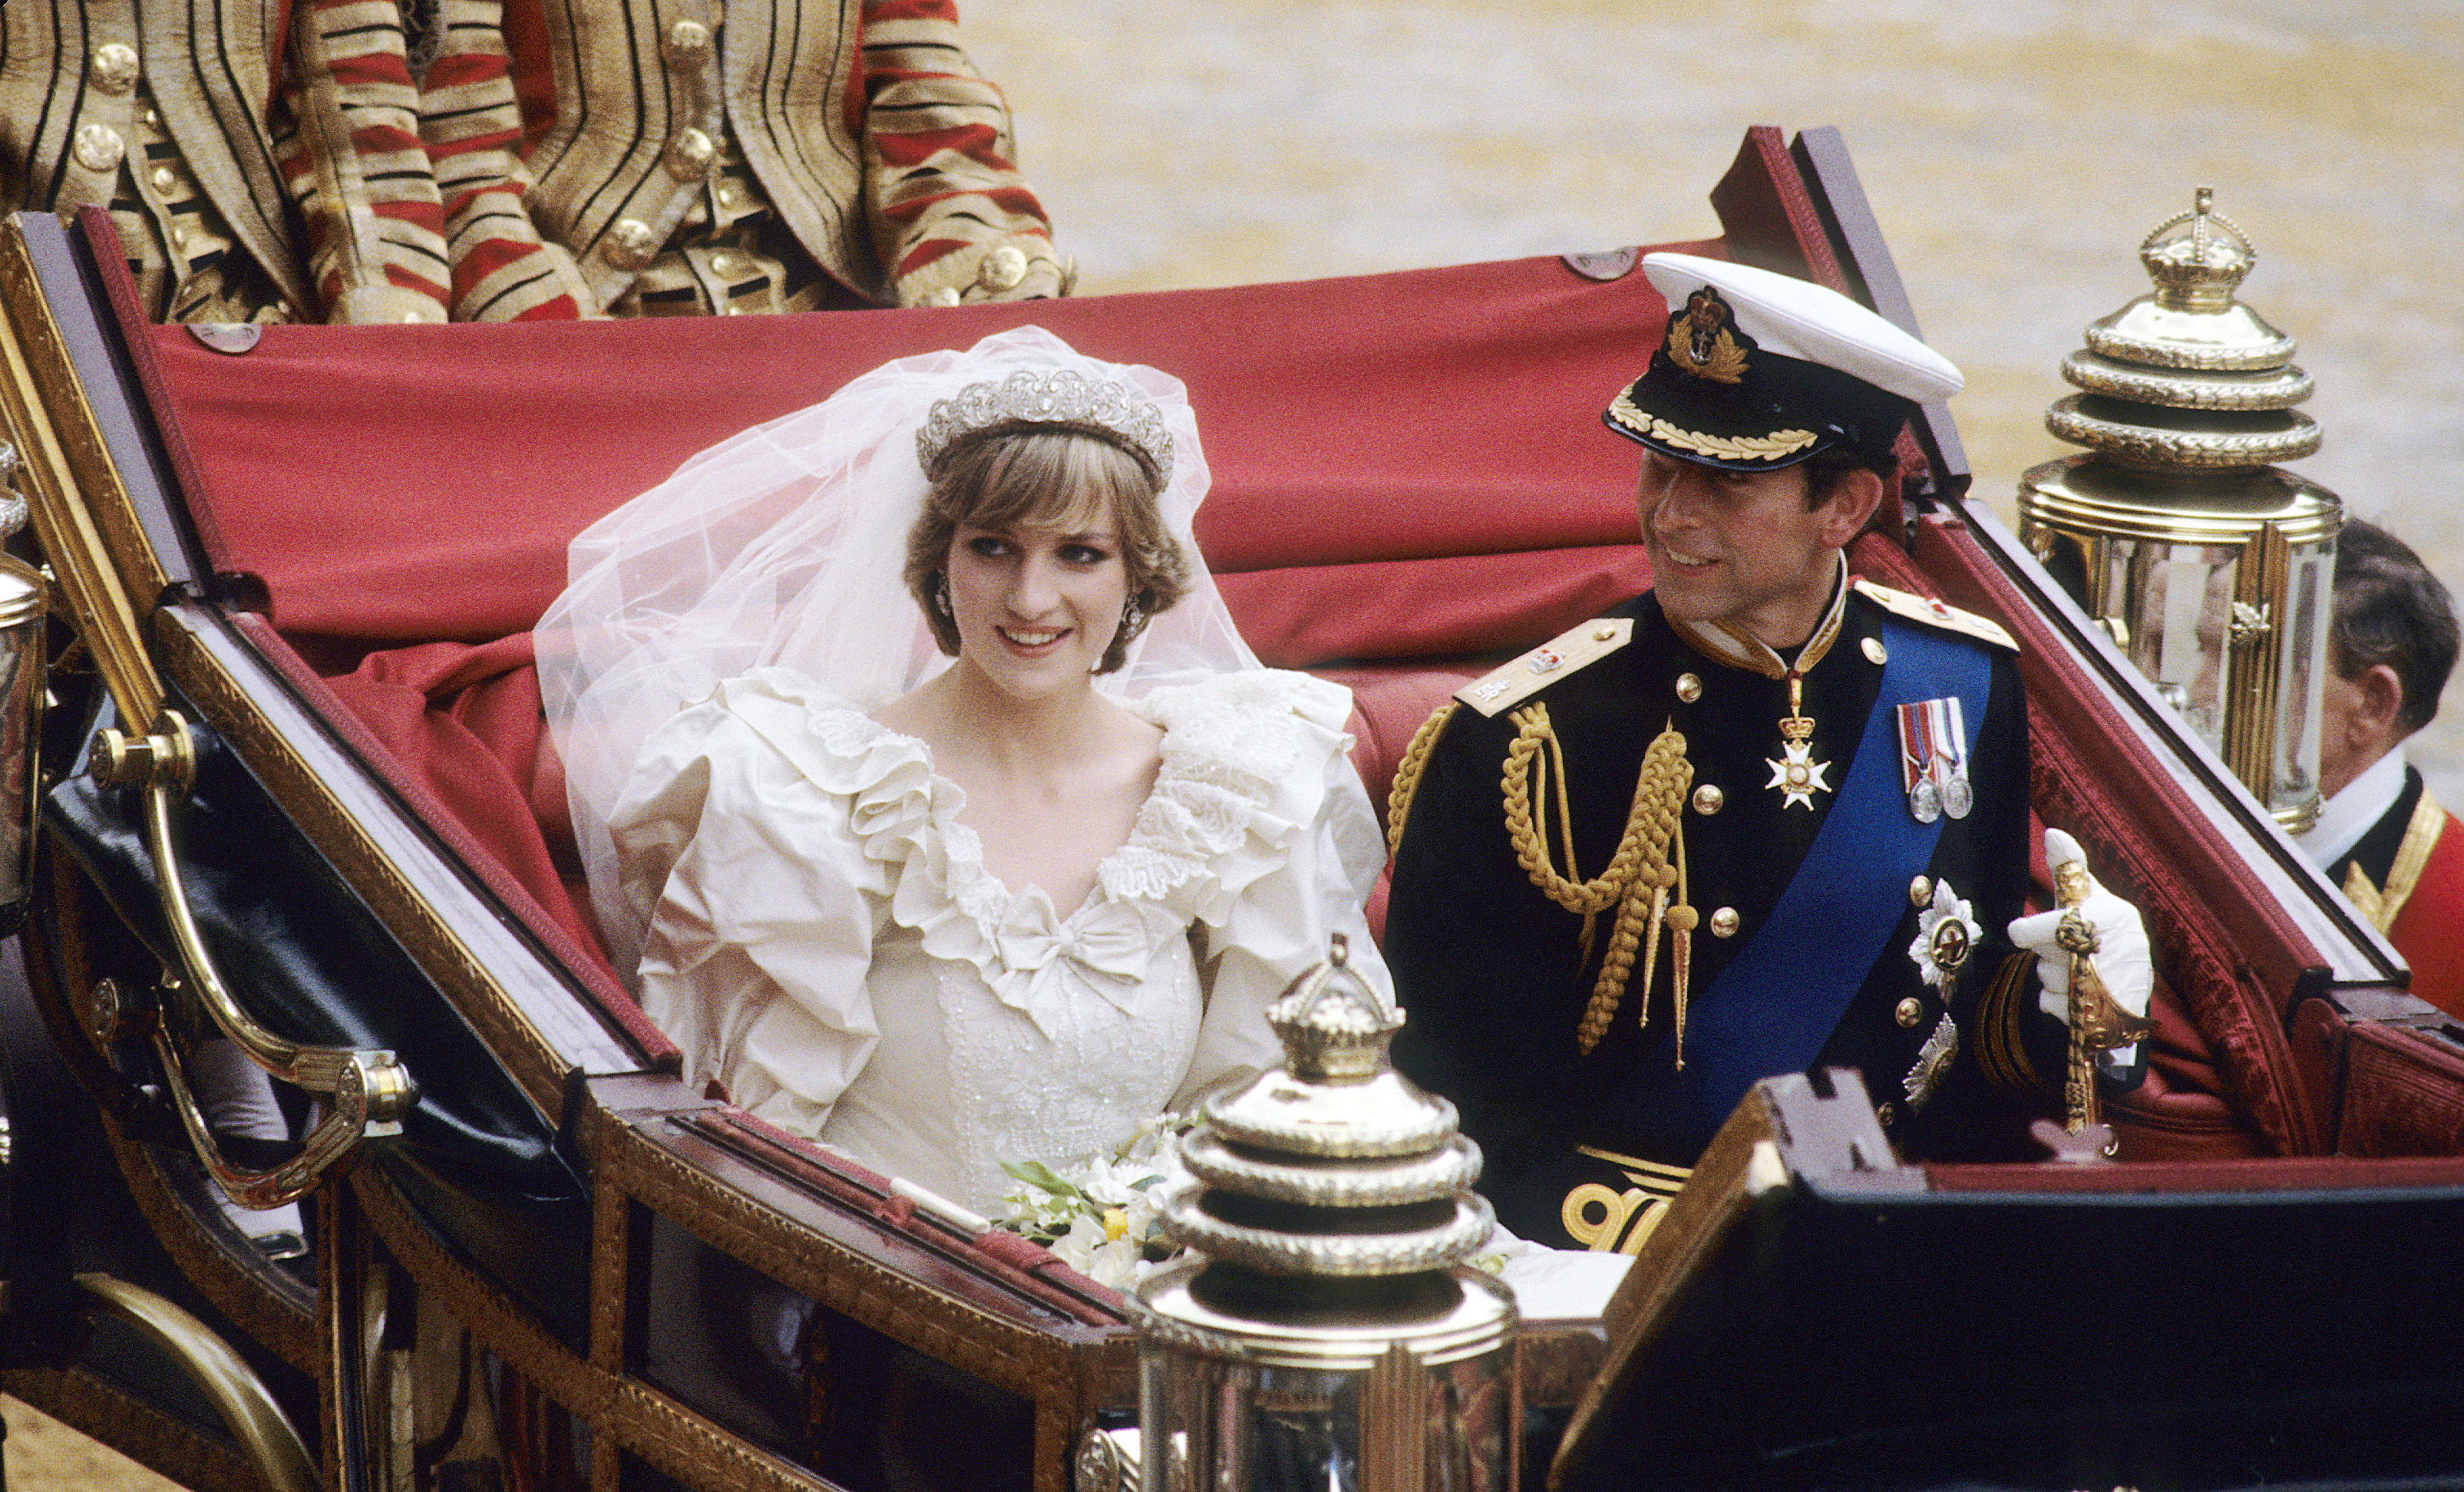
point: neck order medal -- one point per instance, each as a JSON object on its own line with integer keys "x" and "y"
{"x": 1794, "y": 772}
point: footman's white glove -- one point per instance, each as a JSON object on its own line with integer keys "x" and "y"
{"x": 2120, "y": 952}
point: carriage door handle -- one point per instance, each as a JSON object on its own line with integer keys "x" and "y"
{"x": 364, "y": 1091}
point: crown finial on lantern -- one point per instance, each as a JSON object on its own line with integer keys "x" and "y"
{"x": 2197, "y": 258}
{"x": 1333, "y": 1026}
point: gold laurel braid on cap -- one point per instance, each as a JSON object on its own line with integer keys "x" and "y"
{"x": 1407, "y": 773}
{"x": 1639, "y": 876}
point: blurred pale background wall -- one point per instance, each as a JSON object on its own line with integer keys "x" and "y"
{"x": 2016, "y": 153}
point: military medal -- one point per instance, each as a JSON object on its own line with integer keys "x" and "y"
{"x": 1946, "y": 932}
{"x": 1795, "y": 772}
{"x": 1932, "y": 1064}
{"x": 1933, "y": 759}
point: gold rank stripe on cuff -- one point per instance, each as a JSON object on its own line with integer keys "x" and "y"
{"x": 1505, "y": 687}
{"x": 1929, "y": 613}
{"x": 1607, "y": 1220}
{"x": 1733, "y": 645}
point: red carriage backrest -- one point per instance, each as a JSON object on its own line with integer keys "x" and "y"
{"x": 406, "y": 484}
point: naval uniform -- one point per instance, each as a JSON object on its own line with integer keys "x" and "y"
{"x": 1801, "y": 951}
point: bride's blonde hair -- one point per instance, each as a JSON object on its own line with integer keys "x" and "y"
{"x": 1038, "y": 477}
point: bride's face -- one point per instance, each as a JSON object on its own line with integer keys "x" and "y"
{"x": 1038, "y": 604}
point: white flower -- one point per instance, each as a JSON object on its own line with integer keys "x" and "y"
{"x": 1101, "y": 1215}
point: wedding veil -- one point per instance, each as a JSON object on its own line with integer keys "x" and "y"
{"x": 784, "y": 546}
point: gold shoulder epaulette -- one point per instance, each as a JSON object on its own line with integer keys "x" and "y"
{"x": 1509, "y": 685}
{"x": 1937, "y": 613}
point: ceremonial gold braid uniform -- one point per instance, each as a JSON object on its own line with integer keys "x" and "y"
{"x": 1649, "y": 863}
{"x": 1582, "y": 1113}
{"x": 1407, "y": 772}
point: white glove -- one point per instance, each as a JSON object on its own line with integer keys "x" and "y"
{"x": 2121, "y": 957}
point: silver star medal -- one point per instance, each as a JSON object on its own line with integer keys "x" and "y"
{"x": 1932, "y": 1064}
{"x": 1946, "y": 932}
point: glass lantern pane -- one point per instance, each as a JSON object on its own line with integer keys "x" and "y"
{"x": 2301, "y": 663}
{"x": 1214, "y": 1425}
{"x": 2176, "y": 601}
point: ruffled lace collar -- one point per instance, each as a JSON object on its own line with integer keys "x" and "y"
{"x": 1228, "y": 798}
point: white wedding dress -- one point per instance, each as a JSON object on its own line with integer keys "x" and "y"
{"x": 823, "y": 938}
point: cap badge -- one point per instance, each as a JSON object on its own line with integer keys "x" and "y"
{"x": 1703, "y": 339}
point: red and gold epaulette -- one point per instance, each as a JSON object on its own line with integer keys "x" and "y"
{"x": 1936, "y": 613}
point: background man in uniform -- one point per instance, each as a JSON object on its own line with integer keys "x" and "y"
{"x": 1759, "y": 819}
{"x": 632, "y": 158}
{"x": 261, "y": 159}
{"x": 2381, "y": 836}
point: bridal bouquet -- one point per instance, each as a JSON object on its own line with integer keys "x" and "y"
{"x": 1100, "y": 1213}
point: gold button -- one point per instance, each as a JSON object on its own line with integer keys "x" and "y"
{"x": 733, "y": 309}
{"x": 729, "y": 196}
{"x": 413, "y": 318}
{"x": 152, "y": 119}
{"x": 1690, "y": 686}
{"x": 179, "y": 236}
{"x": 1910, "y": 1011}
{"x": 723, "y": 264}
{"x": 946, "y": 295}
{"x": 1874, "y": 652}
{"x": 1724, "y": 922}
{"x": 1004, "y": 269}
{"x": 688, "y": 43}
{"x": 630, "y": 244}
{"x": 690, "y": 155}
{"x": 1921, "y": 892}
{"x": 1883, "y": 1114}
{"x": 1707, "y": 798}
{"x": 112, "y": 68}
{"x": 1603, "y": 632}
{"x": 99, "y": 146}
{"x": 162, "y": 178}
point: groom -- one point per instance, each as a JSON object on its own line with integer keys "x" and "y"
{"x": 1762, "y": 818}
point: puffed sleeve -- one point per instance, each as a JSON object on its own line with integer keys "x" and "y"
{"x": 1298, "y": 873}
{"x": 760, "y": 898}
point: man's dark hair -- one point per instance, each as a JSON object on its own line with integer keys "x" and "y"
{"x": 2391, "y": 609}
{"x": 1825, "y": 467}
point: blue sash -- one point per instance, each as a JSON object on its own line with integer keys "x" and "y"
{"x": 1780, "y": 998}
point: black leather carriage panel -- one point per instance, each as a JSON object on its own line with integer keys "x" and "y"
{"x": 310, "y": 962}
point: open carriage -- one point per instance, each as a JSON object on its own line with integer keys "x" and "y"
{"x": 293, "y": 787}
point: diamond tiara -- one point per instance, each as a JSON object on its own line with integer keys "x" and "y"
{"x": 1062, "y": 397}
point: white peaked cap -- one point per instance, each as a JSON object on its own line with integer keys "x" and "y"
{"x": 1798, "y": 318}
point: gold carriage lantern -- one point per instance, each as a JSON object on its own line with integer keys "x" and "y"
{"x": 2209, "y": 566}
{"x": 1325, "y": 1332}
{"x": 22, "y": 608}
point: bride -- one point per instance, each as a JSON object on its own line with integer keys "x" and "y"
{"x": 924, "y": 785}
